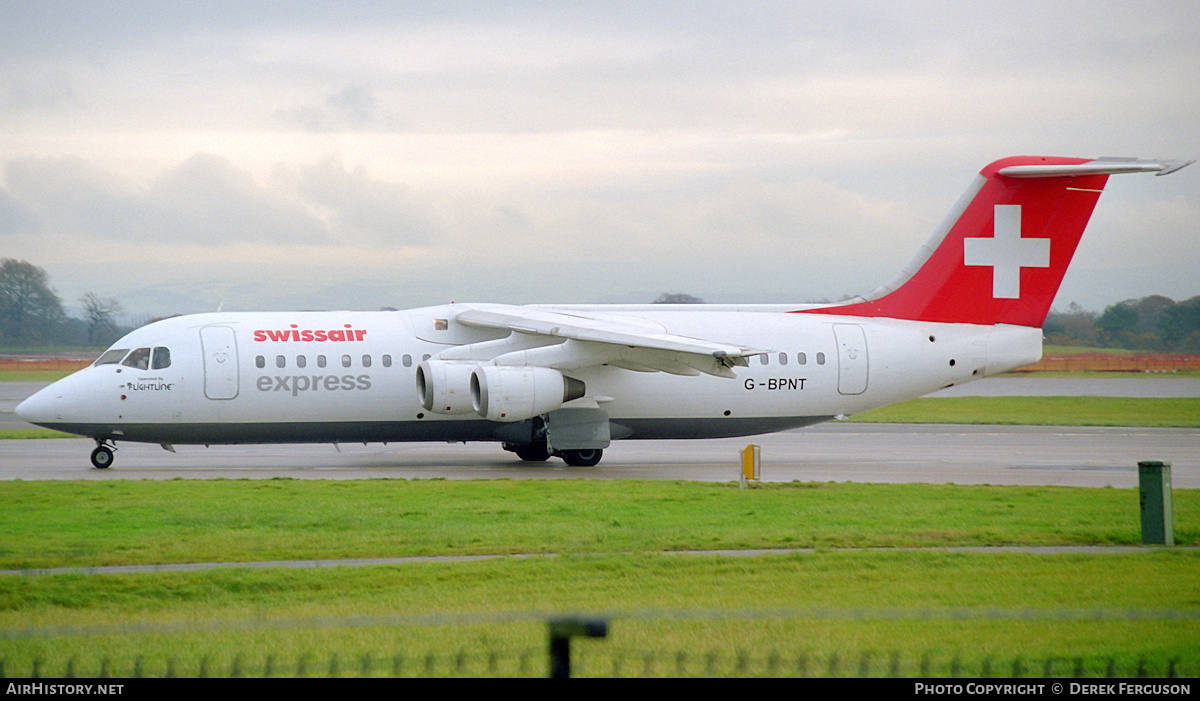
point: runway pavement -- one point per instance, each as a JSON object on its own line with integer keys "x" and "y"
{"x": 838, "y": 452}
{"x": 1032, "y": 455}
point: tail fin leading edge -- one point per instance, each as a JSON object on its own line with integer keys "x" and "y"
{"x": 1002, "y": 253}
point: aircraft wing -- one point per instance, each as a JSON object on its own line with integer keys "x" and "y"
{"x": 588, "y": 340}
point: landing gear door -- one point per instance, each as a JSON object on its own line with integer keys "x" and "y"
{"x": 220, "y": 362}
{"x": 852, "y": 358}
{"x": 578, "y": 428}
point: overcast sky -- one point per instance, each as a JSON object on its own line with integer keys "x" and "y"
{"x": 262, "y": 155}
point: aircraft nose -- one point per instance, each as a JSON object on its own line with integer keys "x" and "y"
{"x": 41, "y": 408}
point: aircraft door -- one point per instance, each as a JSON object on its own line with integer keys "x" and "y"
{"x": 852, "y": 358}
{"x": 220, "y": 362}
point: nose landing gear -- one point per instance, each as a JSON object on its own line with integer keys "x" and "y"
{"x": 102, "y": 456}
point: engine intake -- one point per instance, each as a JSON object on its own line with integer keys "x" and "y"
{"x": 504, "y": 393}
{"x": 444, "y": 387}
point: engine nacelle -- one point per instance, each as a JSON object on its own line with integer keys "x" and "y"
{"x": 444, "y": 387}
{"x": 515, "y": 393}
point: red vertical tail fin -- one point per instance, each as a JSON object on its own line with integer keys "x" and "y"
{"x": 1001, "y": 255}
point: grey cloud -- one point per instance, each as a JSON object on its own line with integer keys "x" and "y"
{"x": 40, "y": 94}
{"x": 16, "y": 217}
{"x": 205, "y": 200}
{"x": 356, "y": 103}
{"x": 72, "y": 196}
{"x": 208, "y": 200}
{"x": 353, "y": 108}
{"x": 364, "y": 210}
{"x": 877, "y": 67}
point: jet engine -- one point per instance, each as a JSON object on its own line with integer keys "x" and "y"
{"x": 444, "y": 387}
{"x": 515, "y": 393}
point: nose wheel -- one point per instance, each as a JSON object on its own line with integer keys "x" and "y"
{"x": 102, "y": 457}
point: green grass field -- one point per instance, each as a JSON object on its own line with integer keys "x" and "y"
{"x": 877, "y": 590}
{"x": 1183, "y": 412}
{"x": 127, "y": 522}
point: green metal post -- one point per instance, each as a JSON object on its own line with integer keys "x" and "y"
{"x": 1154, "y": 487}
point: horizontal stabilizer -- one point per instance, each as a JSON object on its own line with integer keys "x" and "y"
{"x": 1100, "y": 166}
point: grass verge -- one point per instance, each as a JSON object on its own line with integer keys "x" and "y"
{"x": 1181, "y": 412}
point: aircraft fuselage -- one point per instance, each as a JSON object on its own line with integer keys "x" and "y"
{"x": 350, "y": 376}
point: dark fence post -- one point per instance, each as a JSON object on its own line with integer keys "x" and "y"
{"x": 561, "y": 630}
{"x": 1154, "y": 495}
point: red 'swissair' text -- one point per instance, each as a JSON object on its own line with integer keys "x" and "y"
{"x": 295, "y": 333}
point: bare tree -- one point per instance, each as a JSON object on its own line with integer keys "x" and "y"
{"x": 101, "y": 314}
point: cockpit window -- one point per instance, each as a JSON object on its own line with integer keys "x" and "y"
{"x": 111, "y": 357}
{"x": 142, "y": 359}
{"x": 162, "y": 358}
{"x": 139, "y": 359}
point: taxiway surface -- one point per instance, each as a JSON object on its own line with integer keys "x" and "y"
{"x": 837, "y": 452}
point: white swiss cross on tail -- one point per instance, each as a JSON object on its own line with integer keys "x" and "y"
{"x": 1006, "y": 253}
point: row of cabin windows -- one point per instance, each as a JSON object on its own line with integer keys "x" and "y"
{"x": 801, "y": 359}
{"x": 366, "y": 361}
{"x": 160, "y": 358}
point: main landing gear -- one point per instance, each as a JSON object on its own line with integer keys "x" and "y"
{"x": 102, "y": 456}
{"x": 581, "y": 458}
{"x": 534, "y": 452}
{"x": 540, "y": 452}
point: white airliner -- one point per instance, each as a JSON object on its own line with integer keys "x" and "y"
{"x": 565, "y": 380}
